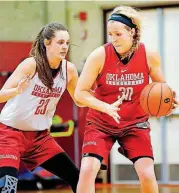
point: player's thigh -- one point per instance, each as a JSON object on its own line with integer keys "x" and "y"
{"x": 136, "y": 143}
{"x": 11, "y": 146}
{"x": 43, "y": 148}
{"x": 97, "y": 144}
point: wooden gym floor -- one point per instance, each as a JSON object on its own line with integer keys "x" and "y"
{"x": 112, "y": 189}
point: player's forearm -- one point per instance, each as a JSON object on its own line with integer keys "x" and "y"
{"x": 6, "y": 94}
{"x": 87, "y": 99}
{"x": 79, "y": 104}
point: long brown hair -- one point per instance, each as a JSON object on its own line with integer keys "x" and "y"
{"x": 38, "y": 51}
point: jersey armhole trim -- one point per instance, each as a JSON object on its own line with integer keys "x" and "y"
{"x": 104, "y": 65}
{"x": 146, "y": 62}
{"x": 66, "y": 74}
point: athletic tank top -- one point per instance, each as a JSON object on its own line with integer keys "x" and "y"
{"x": 116, "y": 79}
{"x": 34, "y": 109}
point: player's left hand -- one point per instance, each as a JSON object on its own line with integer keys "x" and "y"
{"x": 23, "y": 84}
{"x": 174, "y": 104}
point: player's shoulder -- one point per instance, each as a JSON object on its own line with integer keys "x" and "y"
{"x": 153, "y": 56}
{"x": 97, "y": 57}
{"x": 98, "y": 52}
{"x": 71, "y": 68}
{"x": 28, "y": 65}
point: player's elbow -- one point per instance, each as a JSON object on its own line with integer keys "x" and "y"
{"x": 77, "y": 96}
{"x": 79, "y": 104}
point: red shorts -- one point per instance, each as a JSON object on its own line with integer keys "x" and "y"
{"x": 134, "y": 142}
{"x": 32, "y": 147}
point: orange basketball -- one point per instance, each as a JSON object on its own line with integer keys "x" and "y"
{"x": 156, "y": 99}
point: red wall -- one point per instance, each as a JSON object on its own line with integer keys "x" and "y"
{"x": 12, "y": 53}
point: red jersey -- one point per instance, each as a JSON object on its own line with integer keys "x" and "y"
{"x": 116, "y": 79}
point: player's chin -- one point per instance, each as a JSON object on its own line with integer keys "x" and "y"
{"x": 120, "y": 50}
{"x": 62, "y": 56}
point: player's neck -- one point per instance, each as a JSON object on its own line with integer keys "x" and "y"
{"x": 124, "y": 60}
{"x": 54, "y": 62}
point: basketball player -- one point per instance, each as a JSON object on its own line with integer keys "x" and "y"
{"x": 32, "y": 93}
{"x": 120, "y": 69}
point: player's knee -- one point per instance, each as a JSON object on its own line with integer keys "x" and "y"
{"x": 146, "y": 175}
{"x": 90, "y": 167}
{"x": 88, "y": 170}
{"x": 8, "y": 184}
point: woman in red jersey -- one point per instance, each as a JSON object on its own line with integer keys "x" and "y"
{"x": 120, "y": 70}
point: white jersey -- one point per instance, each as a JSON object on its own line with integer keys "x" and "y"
{"x": 34, "y": 109}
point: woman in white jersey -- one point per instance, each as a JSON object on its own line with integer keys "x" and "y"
{"x": 32, "y": 93}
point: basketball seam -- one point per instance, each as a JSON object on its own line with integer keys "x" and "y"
{"x": 160, "y": 101}
{"x": 148, "y": 98}
{"x": 172, "y": 99}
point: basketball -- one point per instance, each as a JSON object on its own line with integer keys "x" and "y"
{"x": 156, "y": 99}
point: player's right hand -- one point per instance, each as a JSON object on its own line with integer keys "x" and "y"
{"x": 23, "y": 83}
{"x": 175, "y": 104}
{"x": 112, "y": 109}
